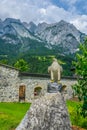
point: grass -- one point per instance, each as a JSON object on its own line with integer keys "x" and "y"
{"x": 11, "y": 114}
{"x": 74, "y": 111}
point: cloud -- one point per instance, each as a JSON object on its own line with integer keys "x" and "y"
{"x": 80, "y": 22}
{"x": 52, "y": 14}
{"x": 42, "y": 11}
{"x": 25, "y": 10}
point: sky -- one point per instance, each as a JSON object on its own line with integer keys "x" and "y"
{"x": 50, "y": 11}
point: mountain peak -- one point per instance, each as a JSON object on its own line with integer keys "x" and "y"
{"x": 31, "y": 26}
{"x": 61, "y": 34}
{"x": 32, "y": 23}
{"x": 41, "y": 27}
{"x": 11, "y": 20}
{"x": 62, "y": 21}
{"x": 43, "y": 23}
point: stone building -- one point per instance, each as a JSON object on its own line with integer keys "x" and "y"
{"x": 16, "y": 86}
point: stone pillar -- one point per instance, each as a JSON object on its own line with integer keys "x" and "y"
{"x": 47, "y": 113}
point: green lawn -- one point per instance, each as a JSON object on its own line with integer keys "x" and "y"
{"x": 75, "y": 116}
{"x": 11, "y": 114}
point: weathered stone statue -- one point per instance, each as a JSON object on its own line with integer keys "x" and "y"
{"x": 55, "y": 72}
{"x": 47, "y": 113}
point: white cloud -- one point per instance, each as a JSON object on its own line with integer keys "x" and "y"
{"x": 80, "y": 22}
{"x": 42, "y": 11}
{"x": 55, "y": 14}
{"x": 25, "y": 10}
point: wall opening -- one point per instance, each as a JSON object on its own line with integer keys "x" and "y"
{"x": 22, "y": 93}
{"x": 64, "y": 87}
{"x": 37, "y": 91}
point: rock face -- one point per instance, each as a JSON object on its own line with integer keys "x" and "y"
{"x": 47, "y": 113}
{"x": 60, "y": 38}
{"x": 61, "y": 34}
{"x": 30, "y": 26}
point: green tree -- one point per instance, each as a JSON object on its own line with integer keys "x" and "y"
{"x": 22, "y": 65}
{"x": 81, "y": 72}
{"x": 4, "y": 61}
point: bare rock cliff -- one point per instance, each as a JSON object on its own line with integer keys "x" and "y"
{"x": 47, "y": 113}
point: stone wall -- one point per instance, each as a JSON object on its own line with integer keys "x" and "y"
{"x": 32, "y": 82}
{"x": 68, "y": 93}
{"x": 10, "y": 82}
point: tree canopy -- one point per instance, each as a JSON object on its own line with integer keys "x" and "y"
{"x": 81, "y": 72}
{"x": 22, "y": 65}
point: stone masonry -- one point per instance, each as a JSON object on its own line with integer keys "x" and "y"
{"x": 8, "y": 84}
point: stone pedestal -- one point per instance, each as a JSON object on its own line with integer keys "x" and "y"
{"x": 54, "y": 87}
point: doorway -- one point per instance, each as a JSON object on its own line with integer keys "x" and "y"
{"x": 21, "y": 93}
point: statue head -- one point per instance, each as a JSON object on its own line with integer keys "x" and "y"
{"x": 54, "y": 59}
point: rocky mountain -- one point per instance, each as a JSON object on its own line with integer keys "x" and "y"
{"x": 30, "y": 26}
{"x": 15, "y": 38}
{"x": 14, "y": 27}
{"x": 58, "y": 38}
{"x": 61, "y": 35}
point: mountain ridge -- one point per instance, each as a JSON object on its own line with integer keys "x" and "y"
{"x": 61, "y": 37}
